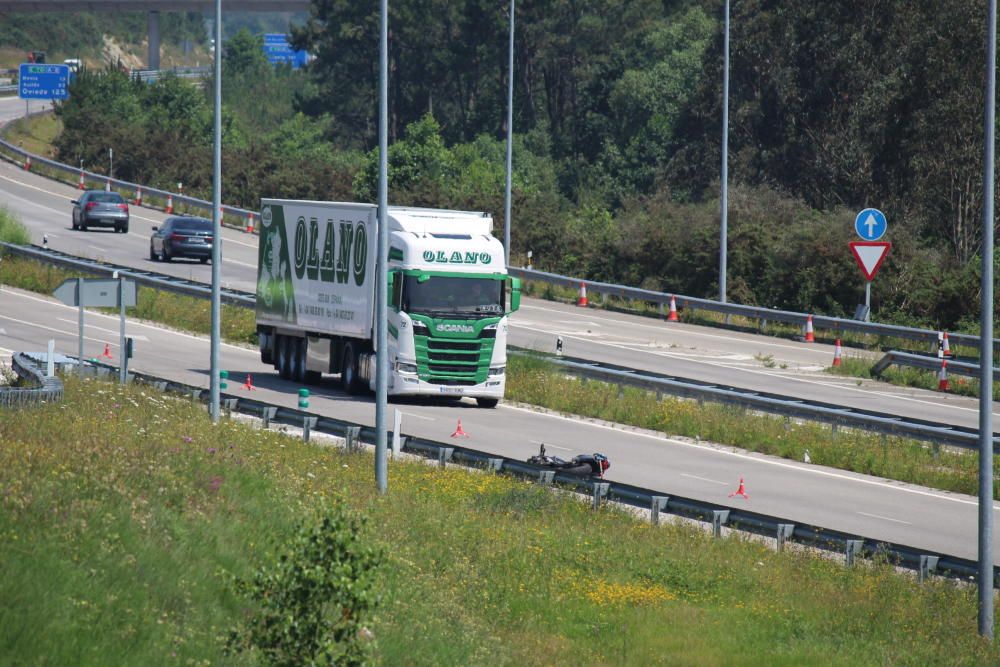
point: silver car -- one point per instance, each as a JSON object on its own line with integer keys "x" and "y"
{"x": 100, "y": 208}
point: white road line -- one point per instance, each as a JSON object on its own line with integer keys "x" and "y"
{"x": 819, "y": 383}
{"x": 548, "y": 444}
{"x": 414, "y": 414}
{"x": 98, "y": 249}
{"x": 885, "y": 518}
{"x": 758, "y": 459}
{"x": 703, "y": 479}
{"x": 110, "y": 331}
{"x": 663, "y": 329}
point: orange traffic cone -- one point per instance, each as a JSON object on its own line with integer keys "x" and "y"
{"x": 742, "y": 491}
{"x": 943, "y": 376}
{"x": 138, "y": 196}
{"x": 944, "y": 345}
{"x": 810, "y": 337}
{"x": 459, "y": 433}
{"x": 170, "y": 204}
{"x": 582, "y": 301}
{"x": 672, "y": 317}
{"x": 81, "y": 185}
{"x": 27, "y": 163}
{"x": 249, "y": 223}
{"x": 248, "y": 383}
{"x": 107, "y": 352}
{"x": 836, "y": 354}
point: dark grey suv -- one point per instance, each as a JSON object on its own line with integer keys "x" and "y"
{"x": 182, "y": 236}
{"x": 99, "y": 208}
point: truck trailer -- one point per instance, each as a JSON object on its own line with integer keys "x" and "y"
{"x": 449, "y": 298}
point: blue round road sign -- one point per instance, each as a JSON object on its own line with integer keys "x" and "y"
{"x": 870, "y": 224}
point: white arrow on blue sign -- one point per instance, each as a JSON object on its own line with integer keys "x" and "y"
{"x": 870, "y": 224}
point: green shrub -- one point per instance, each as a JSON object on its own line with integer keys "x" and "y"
{"x": 312, "y": 606}
{"x": 11, "y": 229}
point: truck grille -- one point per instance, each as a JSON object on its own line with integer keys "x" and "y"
{"x": 452, "y": 362}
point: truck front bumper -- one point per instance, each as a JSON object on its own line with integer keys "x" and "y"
{"x": 410, "y": 385}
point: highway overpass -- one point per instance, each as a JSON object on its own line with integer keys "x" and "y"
{"x": 153, "y": 7}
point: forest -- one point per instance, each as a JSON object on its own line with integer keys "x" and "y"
{"x": 833, "y": 107}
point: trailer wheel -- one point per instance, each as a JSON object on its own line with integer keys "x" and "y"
{"x": 296, "y": 358}
{"x": 349, "y": 370}
{"x": 284, "y": 363}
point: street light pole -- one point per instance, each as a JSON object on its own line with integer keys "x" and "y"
{"x": 724, "y": 197}
{"x": 381, "y": 275}
{"x": 986, "y": 344}
{"x": 215, "y": 380}
{"x": 510, "y": 137}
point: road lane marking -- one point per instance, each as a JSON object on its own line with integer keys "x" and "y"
{"x": 110, "y": 331}
{"x": 756, "y": 458}
{"x": 703, "y": 479}
{"x": 549, "y": 444}
{"x": 884, "y": 518}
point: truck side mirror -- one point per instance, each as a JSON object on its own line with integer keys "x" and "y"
{"x": 515, "y": 294}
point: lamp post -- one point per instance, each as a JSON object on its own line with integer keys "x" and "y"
{"x": 724, "y": 196}
{"x": 510, "y": 137}
{"x": 986, "y": 343}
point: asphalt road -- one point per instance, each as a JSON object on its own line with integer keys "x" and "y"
{"x": 875, "y": 508}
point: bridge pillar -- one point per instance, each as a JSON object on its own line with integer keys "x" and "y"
{"x": 153, "y": 30}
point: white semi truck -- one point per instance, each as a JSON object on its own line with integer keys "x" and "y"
{"x": 449, "y": 298}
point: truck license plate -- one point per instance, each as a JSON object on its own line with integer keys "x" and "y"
{"x": 452, "y": 390}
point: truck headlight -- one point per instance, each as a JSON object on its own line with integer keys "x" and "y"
{"x": 420, "y": 329}
{"x": 498, "y": 370}
{"x": 405, "y": 368}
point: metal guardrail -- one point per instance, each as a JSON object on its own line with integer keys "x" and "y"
{"x": 784, "y": 530}
{"x": 878, "y": 422}
{"x": 898, "y": 358}
{"x": 763, "y": 315}
{"x": 11, "y": 88}
{"x": 45, "y": 389}
{"x": 151, "y": 75}
{"x": 144, "y": 278}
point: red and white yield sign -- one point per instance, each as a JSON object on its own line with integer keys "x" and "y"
{"x": 869, "y": 255}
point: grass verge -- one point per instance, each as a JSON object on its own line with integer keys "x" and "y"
{"x": 906, "y": 376}
{"x": 126, "y": 515}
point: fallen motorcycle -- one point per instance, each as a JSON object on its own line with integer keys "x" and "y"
{"x": 584, "y": 465}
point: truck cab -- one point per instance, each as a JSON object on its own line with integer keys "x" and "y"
{"x": 449, "y": 300}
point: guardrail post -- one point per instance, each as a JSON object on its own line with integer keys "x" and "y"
{"x": 719, "y": 519}
{"x": 160, "y": 385}
{"x": 928, "y": 564}
{"x": 600, "y": 491}
{"x": 935, "y": 450}
{"x": 308, "y": 423}
{"x": 494, "y": 465}
{"x": 351, "y": 437}
{"x": 397, "y": 445}
{"x": 229, "y": 404}
{"x": 852, "y": 548}
{"x": 546, "y": 476}
{"x": 195, "y": 395}
{"x": 266, "y": 415}
{"x": 763, "y": 325}
{"x": 833, "y": 428}
{"x": 785, "y": 531}
{"x": 444, "y": 455}
{"x": 657, "y": 504}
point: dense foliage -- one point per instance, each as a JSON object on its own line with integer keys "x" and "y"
{"x": 617, "y": 120}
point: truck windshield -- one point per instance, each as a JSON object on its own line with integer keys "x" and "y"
{"x": 444, "y": 296}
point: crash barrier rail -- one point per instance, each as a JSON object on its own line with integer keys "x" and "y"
{"x": 150, "y": 75}
{"x": 45, "y": 389}
{"x": 829, "y": 413}
{"x": 10, "y": 88}
{"x": 878, "y": 422}
{"x": 763, "y": 315}
{"x": 144, "y": 278}
{"x": 661, "y": 299}
{"x": 659, "y": 503}
{"x": 898, "y": 358}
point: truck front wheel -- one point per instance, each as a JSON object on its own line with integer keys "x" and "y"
{"x": 349, "y": 370}
{"x": 487, "y": 402}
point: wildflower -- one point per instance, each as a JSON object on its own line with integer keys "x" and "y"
{"x": 187, "y": 439}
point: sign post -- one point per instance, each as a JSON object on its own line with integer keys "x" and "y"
{"x": 870, "y": 224}
{"x": 99, "y": 294}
